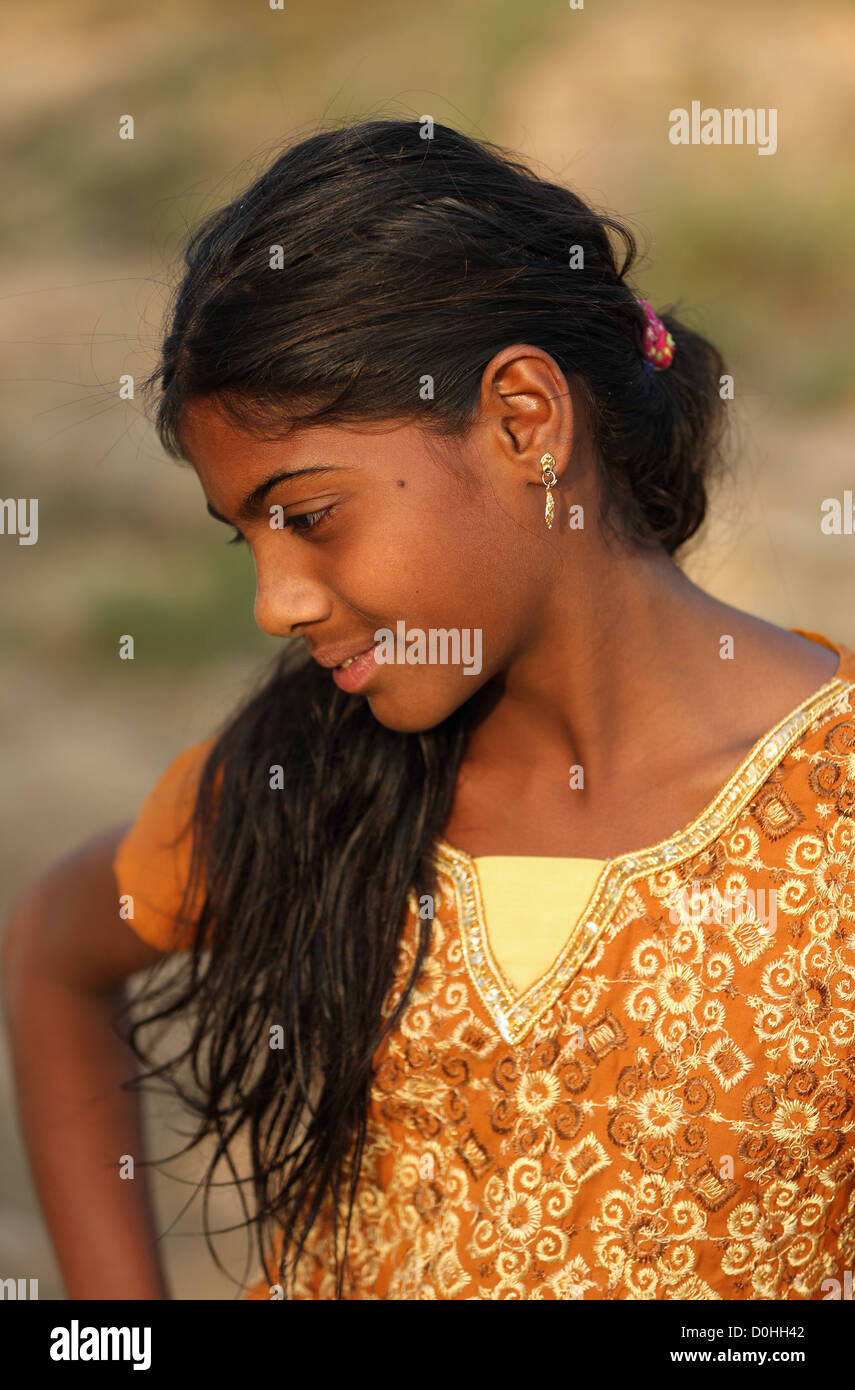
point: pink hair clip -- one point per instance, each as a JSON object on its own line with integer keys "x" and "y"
{"x": 659, "y": 344}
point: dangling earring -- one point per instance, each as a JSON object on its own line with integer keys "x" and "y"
{"x": 549, "y": 481}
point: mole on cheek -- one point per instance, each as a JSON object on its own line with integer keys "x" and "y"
{"x": 401, "y": 483}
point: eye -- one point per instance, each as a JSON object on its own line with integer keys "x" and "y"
{"x": 302, "y": 523}
{"x": 312, "y": 519}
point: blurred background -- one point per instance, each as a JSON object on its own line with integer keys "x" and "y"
{"x": 754, "y": 251}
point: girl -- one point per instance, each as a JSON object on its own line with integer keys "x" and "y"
{"x": 515, "y": 910}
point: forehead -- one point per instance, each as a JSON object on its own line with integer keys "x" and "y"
{"x": 208, "y": 433}
{"x": 209, "y": 436}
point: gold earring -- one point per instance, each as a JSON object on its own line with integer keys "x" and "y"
{"x": 549, "y": 482}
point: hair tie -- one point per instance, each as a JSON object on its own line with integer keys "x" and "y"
{"x": 659, "y": 345}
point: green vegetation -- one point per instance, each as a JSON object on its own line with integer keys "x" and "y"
{"x": 179, "y": 623}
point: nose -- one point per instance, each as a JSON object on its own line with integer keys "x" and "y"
{"x": 284, "y": 602}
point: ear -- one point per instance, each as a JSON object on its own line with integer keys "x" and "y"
{"x": 527, "y": 408}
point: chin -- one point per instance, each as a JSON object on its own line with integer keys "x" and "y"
{"x": 410, "y": 714}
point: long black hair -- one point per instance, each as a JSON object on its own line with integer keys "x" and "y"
{"x": 361, "y": 260}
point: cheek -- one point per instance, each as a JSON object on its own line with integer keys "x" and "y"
{"x": 434, "y": 557}
{"x": 420, "y": 552}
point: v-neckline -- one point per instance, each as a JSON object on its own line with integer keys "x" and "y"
{"x": 515, "y": 1012}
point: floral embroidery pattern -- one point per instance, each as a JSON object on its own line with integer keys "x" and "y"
{"x": 833, "y": 770}
{"x": 648, "y": 1240}
{"x": 677, "y": 1118}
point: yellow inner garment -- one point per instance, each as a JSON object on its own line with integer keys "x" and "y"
{"x": 531, "y": 905}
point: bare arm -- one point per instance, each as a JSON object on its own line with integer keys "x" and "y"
{"x": 66, "y": 955}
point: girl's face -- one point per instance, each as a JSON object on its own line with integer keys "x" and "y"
{"x": 364, "y": 540}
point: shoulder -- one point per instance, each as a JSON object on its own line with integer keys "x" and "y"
{"x": 153, "y": 859}
{"x": 805, "y": 810}
{"x": 780, "y": 668}
{"x": 172, "y": 796}
{"x": 822, "y": 759}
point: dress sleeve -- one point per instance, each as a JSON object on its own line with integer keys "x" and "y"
{"x": 152, "y": 861}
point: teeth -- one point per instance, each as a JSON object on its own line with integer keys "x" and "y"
{"x": 351, "y": 659}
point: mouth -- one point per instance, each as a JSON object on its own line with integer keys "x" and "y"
{"x": 355, "y": 671}
{"x": 342, "y": 666}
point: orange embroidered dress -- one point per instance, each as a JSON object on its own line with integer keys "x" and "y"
{"x": 665, "y": 1112}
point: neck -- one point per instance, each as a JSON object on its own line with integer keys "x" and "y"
{"x": 624, "y": 642}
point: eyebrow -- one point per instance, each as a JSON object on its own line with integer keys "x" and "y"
{"x": 252, "y": 506}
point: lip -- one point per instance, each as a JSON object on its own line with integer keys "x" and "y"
{"x": 356, "y": 676}
{"x": 334, "y": 656}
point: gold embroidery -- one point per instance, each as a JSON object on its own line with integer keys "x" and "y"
{"x": 516, "y": 1014}
{"x": 680, "y": 1126}
{"x": 775, "y": 812}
